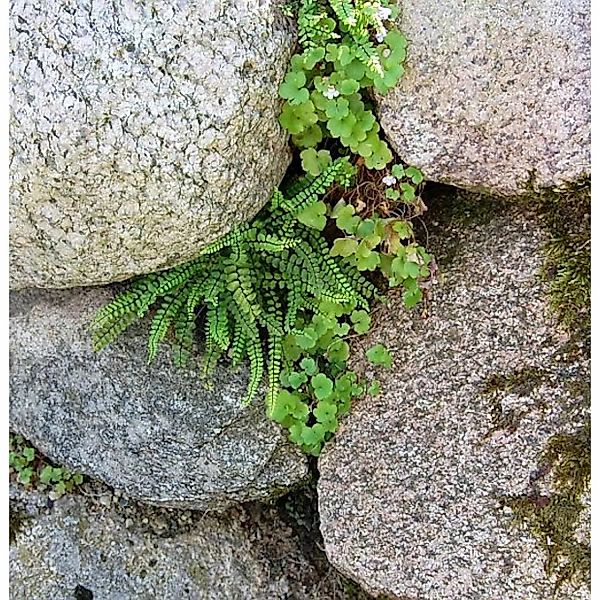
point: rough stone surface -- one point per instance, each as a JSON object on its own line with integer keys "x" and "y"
{"x": 411, "y": 486}
{"x": 154, "y": 431}
{"x": 139, "y": 131}
{"x": 125, "y": 551}
{"x": 496, "y": 94}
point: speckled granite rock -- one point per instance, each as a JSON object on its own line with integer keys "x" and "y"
{"x": 155, "y": 431}
{"x": 139, "y": 132}
{"x": 411, "y": 486}
{"x": 496, "y": 93}
{"x": 127, "y": 552}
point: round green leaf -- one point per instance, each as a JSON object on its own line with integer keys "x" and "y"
{"x": 314, "y": 162}
{"x": 349, "y": 86}
{"x": 292, "y": 88}
{"x": 338, "y": 350}
{"x": 314, "y": 216}
{"x": 379, "y": 355}
{"x": 344, "y": 247}
{"x": 361, "y": 321}
{"x": 322, "y": 386}
{"x": 309, "y": 365}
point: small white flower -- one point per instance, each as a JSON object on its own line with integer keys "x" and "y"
{"x": 384, "y": 13}
{"x": 389, "y": 180}
{"x": 380, "y": 36}
{"x": 331, "y": 93}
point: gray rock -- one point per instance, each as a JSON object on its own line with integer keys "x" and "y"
{"x": 154, "y": 431}
{"x": 411, "y": 488}
{"x": 127, "y": 554}
{"x": 139, "y": 132}
{"x": 496, "y": 94}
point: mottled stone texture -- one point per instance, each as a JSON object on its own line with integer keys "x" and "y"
{"x": 410, "y": 487}
{"x": 140, "y": 131}
{"x": 126, "y": 552}
{"x": 154, "y": 431}
{"x": 496, "y": 94}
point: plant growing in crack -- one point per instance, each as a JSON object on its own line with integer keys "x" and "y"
{"x": 295, "y": 275}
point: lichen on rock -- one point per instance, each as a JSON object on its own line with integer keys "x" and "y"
{"x": 158, "y": 433}
{"x": 496, "y": 94}
{"x": 411, "y": 487}
{"x": 139, "y": 132}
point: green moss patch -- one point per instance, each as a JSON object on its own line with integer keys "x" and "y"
{"x": 567, "y": 264}
{"x": 521, "y": 383}
{"x": 553, "y": 519}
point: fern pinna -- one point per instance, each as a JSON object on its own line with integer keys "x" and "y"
{"x": 257, "y": 279}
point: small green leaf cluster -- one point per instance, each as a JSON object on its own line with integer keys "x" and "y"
{"x": 317, "y": 387}
{"x": 375, "y": 243}
{"x": 385, "y": 243}
{"x": 31, "y": 469}
{"x": 324, "y": 88}
{"x": 401, "y": 184}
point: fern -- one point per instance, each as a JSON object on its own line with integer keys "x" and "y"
{"x": 313, "y": 187}
{"x": 357, "y": 19}
{"x": 315, "y": 28}
{"x": 254, "y": 281}
{"x": 344, "y": 10}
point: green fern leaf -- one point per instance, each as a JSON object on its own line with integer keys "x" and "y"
{"x": 217, "y": 325}
{"x": 238, "y": 345}
{"x": 164, "y": 317}
{"x": 274, "y": 368}
{"x": 184, "y": 328}
{"x": 255, "y": 354}
{"x": 316, "y": 186}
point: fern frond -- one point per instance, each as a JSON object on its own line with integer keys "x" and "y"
{"x": 271, "y": 243}
{"x": 272, "y": 314}
{"x": 361, "y": 284}
{"x": 209, "y": 288}
{"x": 314, "y": 26}
{"x": 166, "y": 281}
{"x": 276, "y": 199}
{"x": 165, "y": 315}
{"x": 217, "y": 325}
{"x": 115, "y": 317}
{"x": 274, "y": 368}
{"x": 233, "y": 237}
{"x": 315, "y": 187}
{"x": 135, "y": 302}
{"x": 344, "y": 11}
{"x": 367, "y": 54}
{"x": 211, "y": 356}
{"x": 194, "y": 298}
{"x": 184, "y": 328}
{"x": 255, "y": 354}
{"x": 105, "y": 335}
{"x": 238, "y": 345}
{"x": 294, "y": 304}
{"x": 239, "y": 283}
{"x": 247, "y": 332}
